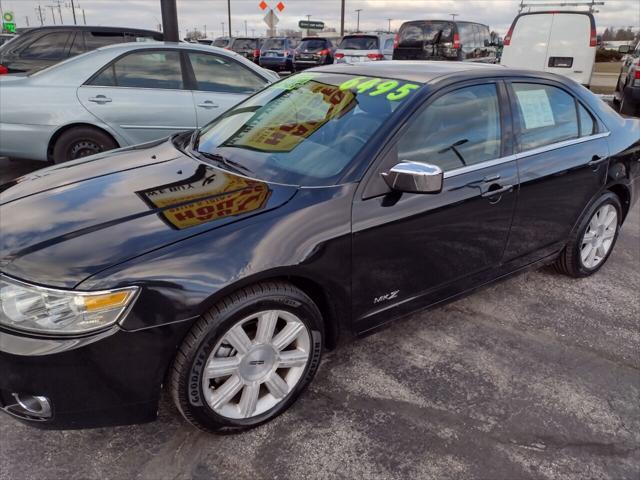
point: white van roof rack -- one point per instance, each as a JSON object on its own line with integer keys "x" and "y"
{"x": 591, "y": 4}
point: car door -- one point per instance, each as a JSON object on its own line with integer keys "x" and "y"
{"x": 411, "y": 250}
{"x": 562, "y": 158}
{"x": 141, "y": 95}
{"x": 218, "y": 83}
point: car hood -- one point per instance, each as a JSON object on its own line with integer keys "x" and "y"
{"x": 63, "y": 224}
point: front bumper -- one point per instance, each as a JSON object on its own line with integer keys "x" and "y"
{"x": 110, "y": 378}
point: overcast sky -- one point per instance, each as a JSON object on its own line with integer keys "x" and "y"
{"x": 498, "y": 14}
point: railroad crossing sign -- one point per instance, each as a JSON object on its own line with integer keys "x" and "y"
{"x": 8, "y": 25}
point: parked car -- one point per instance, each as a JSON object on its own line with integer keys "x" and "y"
{"x": 5, "y": 37}
{"x": 313, "y": 52}
{"x": 41, "y": 47}
{"x": 222, "y": 42}
{"x": 277, "y": 53}
{"x": 627, "y": 92}
{"x": 219, "y": 264}
{"x": 247, "y": 47}
{"x": 120, "y": 95}
{"x": 445, "y": 40}
{"x": 365, "y": 47}
{"x": 562, "y": 42}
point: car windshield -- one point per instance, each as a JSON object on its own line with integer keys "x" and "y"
{"x": 416, "y": 34}
{"x": 312, "y": 45}
{"x": 304, "y": 130}
{"x": 274, "y": 44}
{"x": 359, "y": 43}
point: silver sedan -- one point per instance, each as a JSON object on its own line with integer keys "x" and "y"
{"x": 120, "y": 95}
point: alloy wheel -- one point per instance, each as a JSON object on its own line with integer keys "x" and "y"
{"x": 256, "y": 364}
{"x": 599, "y": 236}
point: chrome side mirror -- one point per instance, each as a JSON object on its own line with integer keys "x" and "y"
{"x": 414, "y": 177}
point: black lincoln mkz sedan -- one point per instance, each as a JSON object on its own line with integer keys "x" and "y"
{"x": 219, "y": 264}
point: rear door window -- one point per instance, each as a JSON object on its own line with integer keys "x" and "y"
{"x": 52, "y": 46}
{"x": 360, "y": 42}
{"x": 545, "y": 115}
{"x": 588, "y": 125}
{"x": 215, "y": 73}
{"x": 242, "y": 44}
{"x": 312, "y": 45}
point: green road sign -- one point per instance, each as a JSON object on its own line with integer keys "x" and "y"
{"x": 9, "y": 27}
{"x": 310, "y": 25}
{"x": 7, "y": 17}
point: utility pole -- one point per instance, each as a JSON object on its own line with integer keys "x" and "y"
{"x": 229, "y": 12}
{"x": 389, "y": 20}
{"x": 60, "y": 11}
{"x": 222, "y": 34}
{"x": 84, "y": 17}
{"x": 53, "y": 13}
{"x": 40, "y": 14}
{"x": 169, "y": 20}
{"x": 342, "y": 20}
{"x": 246, "y": 33}
{"x": 73, "y": 10}
{"x": 358, "y": 10}
{"x": 308, "y": 18}
{"x": 27, "y": 19}
{"x": 205, "y": 31}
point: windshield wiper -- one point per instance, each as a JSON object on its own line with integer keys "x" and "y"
{"x": 230, "y": 164}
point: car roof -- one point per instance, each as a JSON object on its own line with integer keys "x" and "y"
{"x": 413, "y": 71}
{"x": 124, "y": 47}
{"x": 89, "y": 28}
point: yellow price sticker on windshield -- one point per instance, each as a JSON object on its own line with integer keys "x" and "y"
{"x": 393, "y": 89}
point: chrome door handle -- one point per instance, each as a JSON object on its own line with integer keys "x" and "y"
{"x": 100, "y": 99}
{"x": 208, "y": 104}
{"x": 499, "y": 191}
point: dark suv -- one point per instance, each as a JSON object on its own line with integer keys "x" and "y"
{"x": 247, "y": 47}
{"x": 38, "y": 48}
{"x": 445, "y": 40}
{"x": 277, "y": 53}
{"x": 312, "y": 52}
{"x": 627, "y": 93}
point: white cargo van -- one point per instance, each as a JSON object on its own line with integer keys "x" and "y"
{"x": 562, "y": 42}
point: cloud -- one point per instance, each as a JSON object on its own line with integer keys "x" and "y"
{"x": 498, "y": 14}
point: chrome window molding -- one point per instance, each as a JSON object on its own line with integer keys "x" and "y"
{"x": 525, "y": 154}
{"x": 157, "y": 127}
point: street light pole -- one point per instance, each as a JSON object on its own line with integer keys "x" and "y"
{"x": 453, "y": 16}
{"x": 73, "y": 9}
{"x": 308, "y": 18}
{"x": 358, "y": 10}
{"x": 342, "y": 20}
{"x": 229, "y": 12}
{"x": 170, "y": 20}
{"x": 246, "y": 32}
{"x": 389, "y": 20}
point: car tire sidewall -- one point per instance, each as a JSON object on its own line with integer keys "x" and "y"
{"x": 198, "y": 406}
{"x": 610, "y": 199}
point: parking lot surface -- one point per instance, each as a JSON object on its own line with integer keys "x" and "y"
{"x": 534, "y": 377}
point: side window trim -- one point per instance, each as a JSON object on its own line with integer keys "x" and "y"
{"x": 112, "y": 63}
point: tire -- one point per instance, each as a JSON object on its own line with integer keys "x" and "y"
{"x": 571, "y": 261}
{"x": 80, "y": 142}
{"x": 213, "y": 399}
{"x": 626, "y": 108}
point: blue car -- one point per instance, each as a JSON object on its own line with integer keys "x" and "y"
{"x": 277, "y": 54}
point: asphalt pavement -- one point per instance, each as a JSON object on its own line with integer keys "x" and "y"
{"x": 536, "y": 377}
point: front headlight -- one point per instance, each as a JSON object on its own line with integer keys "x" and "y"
{"x": 46, "y": 310}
